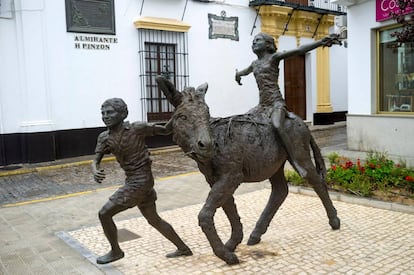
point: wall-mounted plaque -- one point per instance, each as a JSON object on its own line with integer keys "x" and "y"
{"x": 223, "y": 27}
{"x": 90, "y": 16}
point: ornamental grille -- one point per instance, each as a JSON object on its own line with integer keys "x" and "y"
{"x": 161, "y": 53}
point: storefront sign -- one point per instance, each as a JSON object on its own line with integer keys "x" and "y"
{"x": 90, "y": 42}
{"x": 385, "y": 7}
{"x": 223, "y": 27}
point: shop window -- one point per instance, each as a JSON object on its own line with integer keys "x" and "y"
{"x": 161, "y": 53}
{"x": 396, "y": 74}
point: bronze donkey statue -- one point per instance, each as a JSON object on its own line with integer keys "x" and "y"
{"x": 237, "y": 149}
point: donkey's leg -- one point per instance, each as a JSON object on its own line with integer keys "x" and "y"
{"x": 236, "y": 237}
{"x": 321, "y": 188}
{"x": 277, "y": 196}
{"x": 220, "y": 192}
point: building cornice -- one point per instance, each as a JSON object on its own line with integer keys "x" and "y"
{"x": 164, "y": 24}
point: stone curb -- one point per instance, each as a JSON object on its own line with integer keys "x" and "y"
{"x": 108, "y": 269}
{"x": 22, "y": 171}
{"x": 397, "y": 207}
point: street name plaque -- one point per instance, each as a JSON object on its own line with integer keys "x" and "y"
{"x": 223, "y": 27}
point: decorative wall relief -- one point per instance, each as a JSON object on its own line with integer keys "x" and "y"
{"x": 90, "y": 16}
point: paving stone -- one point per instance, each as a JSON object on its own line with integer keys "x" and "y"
{"x": 299, "y": 239}
{"x": 308, "y": 244}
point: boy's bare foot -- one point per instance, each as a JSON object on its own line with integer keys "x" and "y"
{"x": 110, "y": 257}
{"x": 179, "y": 253}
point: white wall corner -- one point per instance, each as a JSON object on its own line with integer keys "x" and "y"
{"x": 344, "y": 2}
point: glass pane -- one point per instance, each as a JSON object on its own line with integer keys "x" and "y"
{"x": 396, "y": 75}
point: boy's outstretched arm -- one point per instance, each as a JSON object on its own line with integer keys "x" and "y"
{"x": 98, "y": 173}
{"x": 151, "y": 129}
{"x": 163, "y": 130}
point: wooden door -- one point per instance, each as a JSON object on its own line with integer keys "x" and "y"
{"x": 295, "y": 85}
{"x": 159, "y": 60}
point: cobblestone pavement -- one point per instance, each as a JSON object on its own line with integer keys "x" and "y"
{"x": 49, "y": 225}
{"x": 299, "y": 241}
{"x": 64, "y": 236}
{"x": 72, "y": 179}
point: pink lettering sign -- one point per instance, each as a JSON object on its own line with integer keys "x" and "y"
{"x": 385, "y": 7}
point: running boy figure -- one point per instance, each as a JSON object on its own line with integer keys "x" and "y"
{"x": 127, "y": 142}
{"x": 266, "y": 72}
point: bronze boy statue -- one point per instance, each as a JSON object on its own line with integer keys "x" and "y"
{"x": 266, "y": 72}
{"x": 127, "y": 142}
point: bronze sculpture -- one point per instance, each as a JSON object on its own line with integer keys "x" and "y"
{"x": 266, "y": 71}
{"x": 243, "y": 148}
{"x": 127, "y": 142}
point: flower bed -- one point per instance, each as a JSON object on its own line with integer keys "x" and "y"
{"x": 376, "y": 177}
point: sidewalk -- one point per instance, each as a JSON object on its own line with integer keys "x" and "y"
{"x": 64, "y": 236}
{"x": 61, "y": 234}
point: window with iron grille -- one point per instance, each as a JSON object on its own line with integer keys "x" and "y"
{"x": 161, "y": 53}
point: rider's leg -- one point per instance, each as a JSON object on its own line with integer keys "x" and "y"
{"x": 278, "y": 120}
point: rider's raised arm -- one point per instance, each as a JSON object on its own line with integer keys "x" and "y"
{"x": 326, "y": 42}
{"x": 298, "y": 51}
{"x": 244, "y": 72}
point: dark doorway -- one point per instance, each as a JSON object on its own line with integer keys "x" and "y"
{"x": 159, "y": 60}
{"x": 295, "y": 85}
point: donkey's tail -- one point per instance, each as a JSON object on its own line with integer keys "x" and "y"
{"x": 319, "y": 161}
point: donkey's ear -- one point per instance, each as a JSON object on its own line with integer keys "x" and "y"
{"x": 170, "y": 92}
{"x": 202, "y": 88}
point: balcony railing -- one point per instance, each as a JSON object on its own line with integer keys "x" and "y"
{"x": 319, "y": 6}
{"x": 326, "y": 5}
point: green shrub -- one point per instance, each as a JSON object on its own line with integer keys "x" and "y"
{"x": 376, "y": 173}
{"x": 293, "y": 177}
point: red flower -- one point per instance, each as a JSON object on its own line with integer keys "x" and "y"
{"x": 409, "y": 178}
{"x": 349, "y": 164}
{"x": 371, "y": 165}
{"x": 334, "y": 167}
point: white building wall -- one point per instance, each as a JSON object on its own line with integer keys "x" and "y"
{"x": 367, "y": 130}
{"x": 339, "y": 78}
{"x": 46, "y": 84}
{"x": 360, "y": 50}
{"x": 215, "y": 60}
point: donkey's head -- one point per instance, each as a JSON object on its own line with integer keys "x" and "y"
{"x": 190, "y": 120}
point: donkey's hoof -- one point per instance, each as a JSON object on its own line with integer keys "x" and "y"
{"x": 335, "y": 223}
{"x": 231, "y": 246}
{"x": 253, "y": 240}
{"x": 231, "y": 259}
